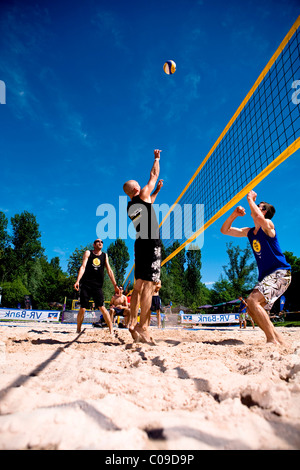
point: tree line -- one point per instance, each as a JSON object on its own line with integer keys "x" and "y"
{"x": 25, "y": 270}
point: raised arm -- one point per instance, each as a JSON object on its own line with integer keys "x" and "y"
{"x": 227, "y": 228}
{"x": 258, "y": 215}
{"x": 158, "y": 188}
{"x": 145, "y": 193}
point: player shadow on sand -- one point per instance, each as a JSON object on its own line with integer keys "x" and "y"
{"x": 225, "y": 342}
{"x": 22, "y": 379}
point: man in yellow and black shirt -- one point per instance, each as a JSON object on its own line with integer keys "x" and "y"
{"x": 90, "y": 281}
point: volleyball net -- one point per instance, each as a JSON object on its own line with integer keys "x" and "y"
{"x": 263, "y": 132}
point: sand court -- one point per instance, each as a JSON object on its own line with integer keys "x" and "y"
{"x": 194, "y": 389}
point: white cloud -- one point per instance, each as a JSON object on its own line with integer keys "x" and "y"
{"x": 59, "y": 251}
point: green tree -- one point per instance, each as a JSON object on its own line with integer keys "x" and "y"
{"x": 118, "y": 257}
{"x": 175, "y": 271}
{"x": 192, "y": 275}
{"x": 239, "y": 271}
{"x": 4, "y": 237}
{"x": 75, "y": 260}
{"x": 32, "y": 278}
{"x": 292, "y": 293}
{"x": 204, "y": 295}
{"x": 293, "y": 260}
{"x": 26, "y": 238}
{"x": 48, "y": 283}
{"x": 25, "y": 270}
{"x": 239, "y": 275}
{"x": 222, "y": 291}
{"x": 108, "y": 288}
{"x": 4, "y": 245}
{"x": 13, "y": 293}
{"x": 166, "y": 292}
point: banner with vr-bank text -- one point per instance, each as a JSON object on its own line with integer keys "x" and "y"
{"x": 33, "y": 315}
{"x": 210, "y": 318}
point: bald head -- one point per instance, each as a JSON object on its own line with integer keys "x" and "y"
{"x": 131, "y": 188}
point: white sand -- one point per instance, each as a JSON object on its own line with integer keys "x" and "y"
{"x": 204, "y": 389}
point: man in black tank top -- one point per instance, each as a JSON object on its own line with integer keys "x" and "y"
{"x": 90, "y": 278}
{"x": 147, "y": 248}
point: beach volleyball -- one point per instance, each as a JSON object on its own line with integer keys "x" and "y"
{"x": 169, "y": 67}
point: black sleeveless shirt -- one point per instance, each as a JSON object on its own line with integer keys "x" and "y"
{"x": 144, "y": 219}
{"x": 94, "y": 270}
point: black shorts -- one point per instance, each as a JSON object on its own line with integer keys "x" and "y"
{"x": 118, "y": 311}
{"x": 86, "y": 292}
{"x": 147, "y": 255}
{"x": 155, "y": 303}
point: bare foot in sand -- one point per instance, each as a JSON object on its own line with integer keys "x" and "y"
{"x": 144, "y": 334}
{"x": 134, "y": 334}
{"x": 278, "y": 340}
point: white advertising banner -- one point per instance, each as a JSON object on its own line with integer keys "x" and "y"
{"x": 33, "y": 315}
{"x": 210, "y": 319}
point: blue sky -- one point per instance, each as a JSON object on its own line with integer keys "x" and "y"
{"x": 87, "y": 102}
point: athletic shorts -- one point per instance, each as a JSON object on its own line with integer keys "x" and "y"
{"x": 86, "y": 292}
{"x": 118, "y": 311}
{"x": 147, "y": 255}
{"x": 155, "y": 303}
{"x": 274, "y": 285}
